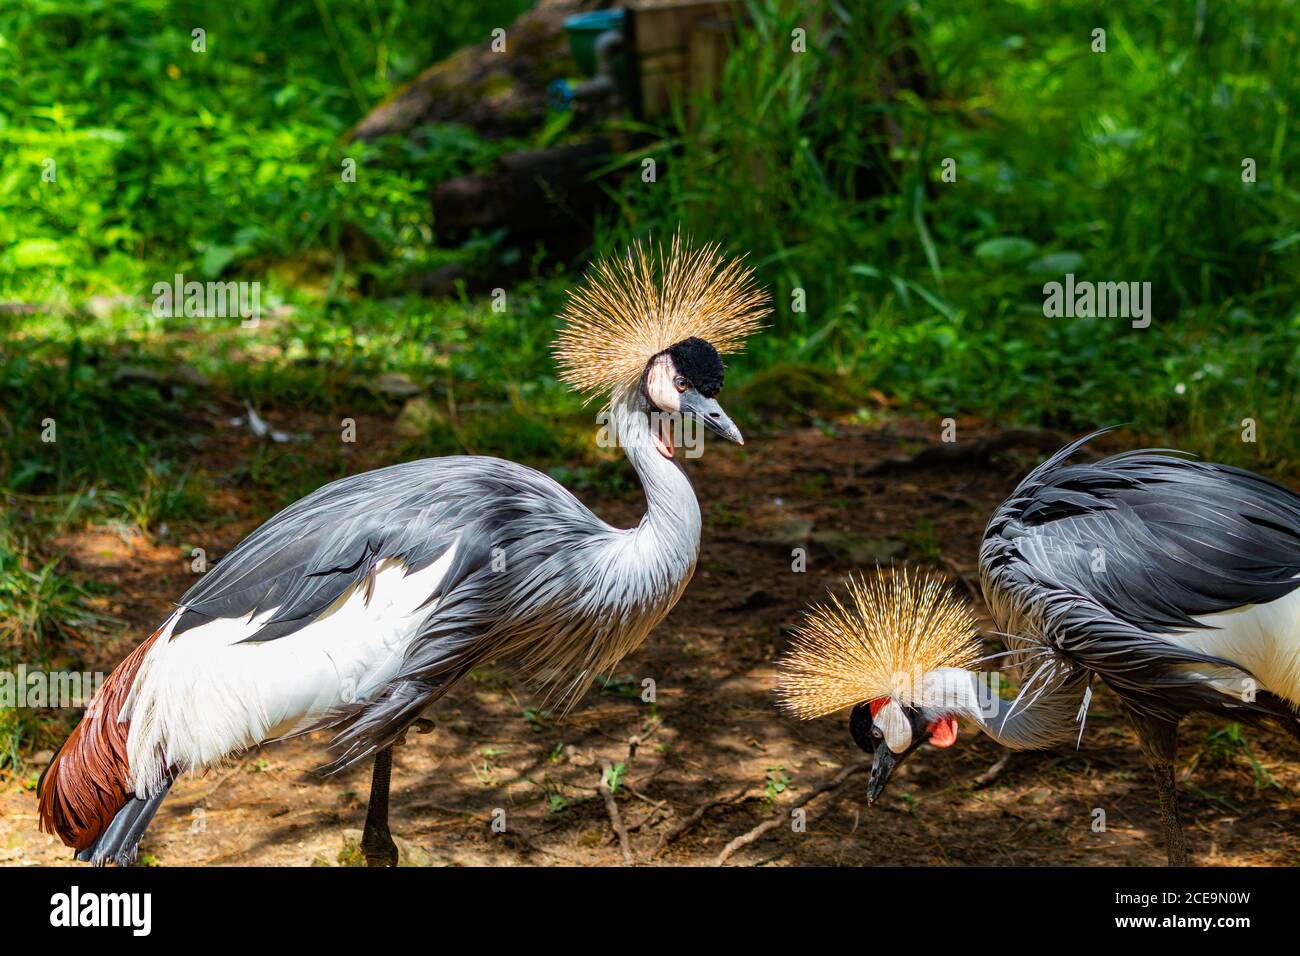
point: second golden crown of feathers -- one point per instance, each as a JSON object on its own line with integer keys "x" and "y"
{"x": 893, "y": 629}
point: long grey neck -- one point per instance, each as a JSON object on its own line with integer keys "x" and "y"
{"x": 671, "y": 525}
{"x": 1031, "y": 723}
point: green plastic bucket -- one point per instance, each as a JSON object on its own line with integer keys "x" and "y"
{"x": 583, "y": 29}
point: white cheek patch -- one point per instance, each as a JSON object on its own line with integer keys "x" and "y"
{"x": 894, "y": 725}
{"x": 659, "y": 385}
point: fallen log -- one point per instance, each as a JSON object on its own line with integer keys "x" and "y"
{"x": 494, "y": 93}
{"x": 534, "y": 193}
{"x": 978, "y": 452}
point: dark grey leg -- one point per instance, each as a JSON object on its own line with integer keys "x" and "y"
{"x": 1159, "y": 739}
{"x": 1175, "y": 842}
{"x": 376, "y": 842}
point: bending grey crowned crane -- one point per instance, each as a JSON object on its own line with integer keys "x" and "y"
{"x": 361, "y": 604}
{"x": 1176, "y": 582}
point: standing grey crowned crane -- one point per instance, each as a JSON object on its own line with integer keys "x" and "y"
{"x": 360, "y": 605}
{"x": 1174, "y": 581}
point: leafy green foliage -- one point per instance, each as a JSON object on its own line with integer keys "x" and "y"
{"x": 827, "y": 168}
{"x": 200, "y": 162}
{"x": 776, "y": 782}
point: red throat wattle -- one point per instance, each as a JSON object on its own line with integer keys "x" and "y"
{"x": 943, "y": 732}
{"x": 663, "y": 436}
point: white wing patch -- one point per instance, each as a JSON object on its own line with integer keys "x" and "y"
{"x": 1263, "y": 639}
{"x": 204, "y": 695}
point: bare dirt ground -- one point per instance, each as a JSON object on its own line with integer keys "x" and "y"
{"x": 712, "y": 757}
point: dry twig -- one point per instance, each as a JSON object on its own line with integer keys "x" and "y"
{"x": 993, "y": 772}
{"x": 615, "y": 818}
{"x": 834, "y": 783}
{"x": 696, "y": 816}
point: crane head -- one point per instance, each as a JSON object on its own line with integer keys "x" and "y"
{"x": 881, "y": 653}
{"x": 890, "y": 731}
{"x": 681, "y": 381}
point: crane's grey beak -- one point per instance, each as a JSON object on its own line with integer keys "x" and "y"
{"x": 710, "y": 412}
{"x": 883, "y": 760}
{"x": 882, "y": 765}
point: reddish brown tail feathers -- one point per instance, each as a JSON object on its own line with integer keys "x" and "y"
{"x": 86, "y": 782}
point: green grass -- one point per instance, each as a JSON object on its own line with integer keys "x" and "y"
{"x": 124, "y": 455}
{"x": 126, "y": 157}
{"x": 1116, "y": 166}
{"x": 44, "y": 615}
{"x": 1227, "y": 743}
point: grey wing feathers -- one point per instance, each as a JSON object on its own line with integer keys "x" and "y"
{"x": 1107, "y": 556}
{"x": 120, "y": 841}
{"x": 1155, "y": 539}
{"x": 490, "y": 615}
{"x": 309, "y": 554}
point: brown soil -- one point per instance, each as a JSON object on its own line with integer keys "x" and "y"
{"x": 713, "y": 733}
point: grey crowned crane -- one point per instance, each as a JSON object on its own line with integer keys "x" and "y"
{"x": 360, "y": 605}
{"x": 1175, "y": 582}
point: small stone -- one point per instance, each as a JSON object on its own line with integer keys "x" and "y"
{"x": 412, "y": 854}
{"x": 792, "y": 532}
{"x": 579, "y": 758}
{"x": 417, "y": 418}
{"x": 858, "y": 549}
{"x": 396, "y": 384}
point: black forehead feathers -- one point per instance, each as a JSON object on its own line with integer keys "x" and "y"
{"x": 860, "y": 726}
{"x": 700, "y": 364}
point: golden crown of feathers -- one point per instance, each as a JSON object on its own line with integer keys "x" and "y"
{"x": 632, "y": 307}
{"x": 893, "y": 629}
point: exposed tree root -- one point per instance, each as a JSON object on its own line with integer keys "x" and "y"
{"x": 696, "y": 816}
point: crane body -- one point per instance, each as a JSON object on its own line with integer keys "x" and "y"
{"x": 1173, "y": 581}
{"x": 356, "y": 608}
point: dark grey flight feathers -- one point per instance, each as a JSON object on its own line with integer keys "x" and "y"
{"x": 1138, "y": 545}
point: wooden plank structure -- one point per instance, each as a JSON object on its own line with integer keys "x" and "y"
{"x": 679, "y": 47}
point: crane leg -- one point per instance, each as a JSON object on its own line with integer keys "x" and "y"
{"x": 1175, "y": 842}
{"x": 1159, "y": 740}
{"x": 376, "y": 842}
